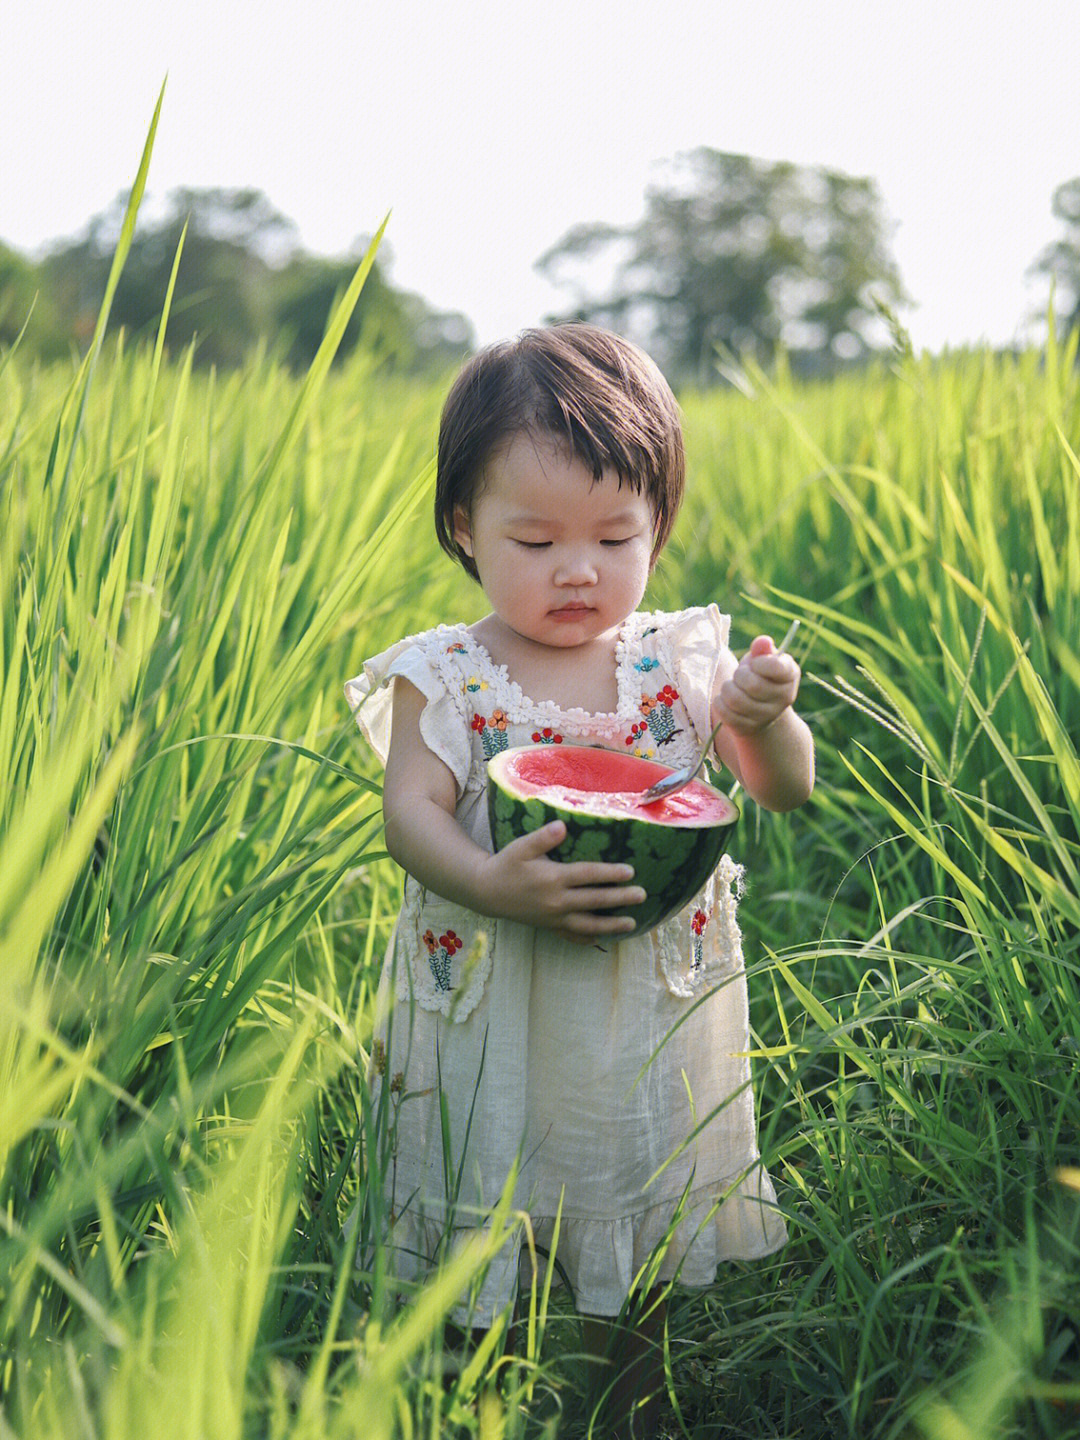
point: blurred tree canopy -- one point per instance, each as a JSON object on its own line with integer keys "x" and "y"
{"x": 242, "y": 278}
{"x": 1060, "y": 262}
{"x": 739, "y": 253}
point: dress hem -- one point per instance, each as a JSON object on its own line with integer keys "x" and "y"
{"x": 603, "y": 1261}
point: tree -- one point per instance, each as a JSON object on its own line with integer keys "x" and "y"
{"x": 1061, "y": 260}
{"x": 739, "y": 253}
{"x": 221, "y": 297}
{"x": 242, "y": 277}
{"x": 396, "y": 325}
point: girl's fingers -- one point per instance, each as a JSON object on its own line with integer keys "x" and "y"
{"x": 582, "y": 929}
{"x": 607, "y": 898}
{"x": 575, "y": 874}
{"x": 751, "y": 697}
{"x": 739, "y": 704}
{"x": 586, "y": 874}
{"x": 753, "y": 706}
{"x": 747, "y": 716}
{"x": 770, "y": 670}
{"x": 537, "y": 842}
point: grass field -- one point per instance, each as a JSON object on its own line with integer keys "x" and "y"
{"x": 194, "y": 901}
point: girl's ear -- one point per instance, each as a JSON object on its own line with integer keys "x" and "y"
{"x": 463, "y": 529}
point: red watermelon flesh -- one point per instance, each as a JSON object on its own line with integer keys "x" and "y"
{"x": 606, "y": 781}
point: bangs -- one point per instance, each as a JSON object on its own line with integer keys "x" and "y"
{"x": 579, "y": 385}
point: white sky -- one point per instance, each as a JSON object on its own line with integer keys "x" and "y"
{"x": 490, "y": 127}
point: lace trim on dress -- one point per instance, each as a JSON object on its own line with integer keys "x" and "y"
{"x": 715, "y": 948}
{"x": 521, "y": 709}
{"x": 446, "y": 968}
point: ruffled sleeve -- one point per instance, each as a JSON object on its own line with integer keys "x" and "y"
{"x": 693, "y": 647}
{"x": 444, "y": 724}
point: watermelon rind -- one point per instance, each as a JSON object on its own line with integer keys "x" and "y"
{"x": 672, "y": 863}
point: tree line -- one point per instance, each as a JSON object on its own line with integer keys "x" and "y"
{"x": 746, "y": 256}
{"x": 730, "y": 254}
{"x": 243, "y": 278}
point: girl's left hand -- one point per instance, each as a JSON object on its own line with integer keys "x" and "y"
{"x": 763, "y": 685}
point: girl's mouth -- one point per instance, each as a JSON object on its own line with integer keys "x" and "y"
{"x": 570, "y": 612}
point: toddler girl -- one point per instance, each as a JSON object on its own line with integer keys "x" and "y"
{"x": 611, "y": 1066}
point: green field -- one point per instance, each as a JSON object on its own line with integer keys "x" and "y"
{"x": 194, "y": 901}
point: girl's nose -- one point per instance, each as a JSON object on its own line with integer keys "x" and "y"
{"x": 575, "y": 568}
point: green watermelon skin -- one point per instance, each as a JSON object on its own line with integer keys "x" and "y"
{"x": 672, "y": 863}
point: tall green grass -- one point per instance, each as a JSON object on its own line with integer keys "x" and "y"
{"x": 194, "y": 902}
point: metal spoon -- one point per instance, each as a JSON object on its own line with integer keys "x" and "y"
{"x": 669, "y": 785}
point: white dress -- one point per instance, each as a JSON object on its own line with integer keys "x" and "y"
{"x": 618, "y": 1074}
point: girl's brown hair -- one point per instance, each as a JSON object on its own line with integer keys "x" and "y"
{"x": 575, "y": 383}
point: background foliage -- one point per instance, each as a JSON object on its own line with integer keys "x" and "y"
{"x": 244, "y": 281}
{"x": 731, "y": 254}
{"x": 1061, "y": 260}
{"x": 743, "y": 255}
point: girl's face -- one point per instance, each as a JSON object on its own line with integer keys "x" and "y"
{"x": 563, "y": 559}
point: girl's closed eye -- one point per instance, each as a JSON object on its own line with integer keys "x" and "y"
{"x": 533, "y": 544}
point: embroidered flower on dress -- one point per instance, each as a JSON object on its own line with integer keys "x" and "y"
{"x": 638, "y": 729}
{"x": 456, "y": 649}
{"x": 659, "y": 714}
{"x": 698, "y": 921}
{"x": 492, "y": 732}
{"x": 440, "y": 953}
{"x": 547, "y": 736}
{"x": 647, "y": 663}
{"x": 449, "y": 959}
{"x": 473, "y": 684}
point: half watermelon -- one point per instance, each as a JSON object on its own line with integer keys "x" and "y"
{"x": 673, "y": 845}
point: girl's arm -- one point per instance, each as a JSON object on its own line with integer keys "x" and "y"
{"x": 763, "y": 742}
{"x": 521, "y": 882}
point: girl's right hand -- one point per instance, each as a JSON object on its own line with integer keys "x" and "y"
{"x": 522, "y": 882}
